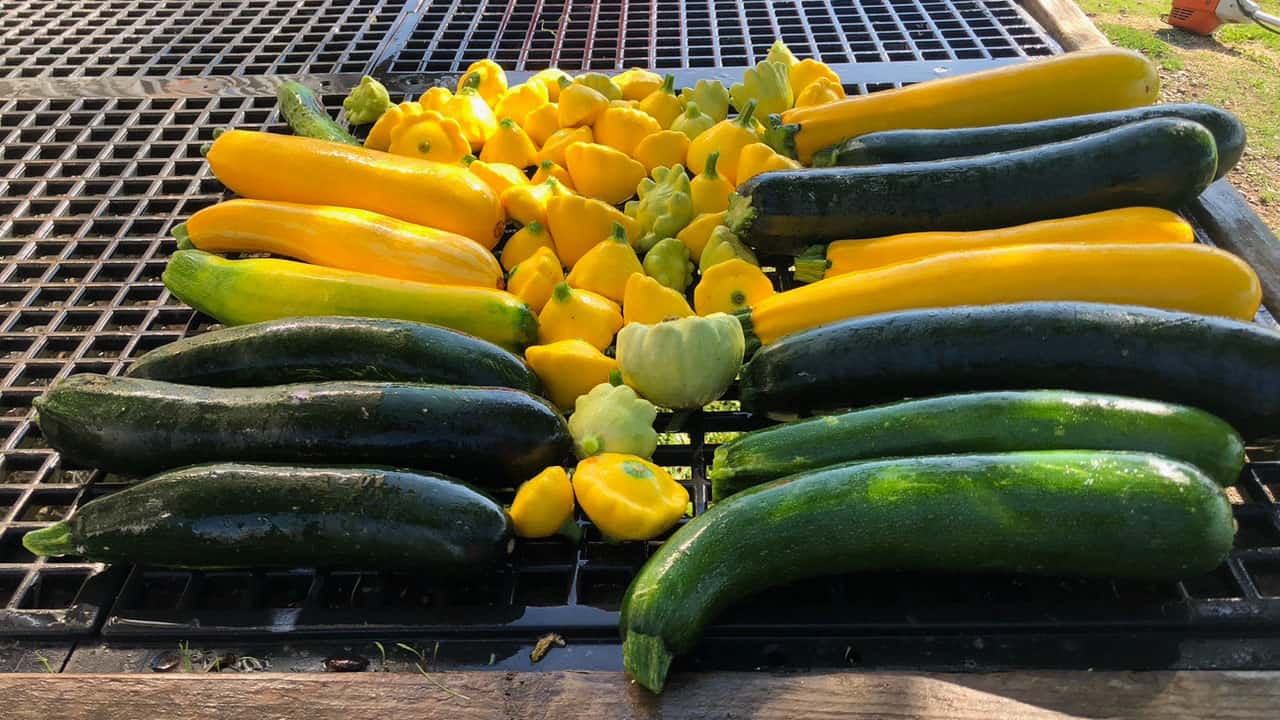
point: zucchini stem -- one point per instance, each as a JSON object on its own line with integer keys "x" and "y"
{"x": 52, "y": 541}
{"x": 782, "y": 137}
{"x": 748, "y": 331}
{"x": 647, "y": 659}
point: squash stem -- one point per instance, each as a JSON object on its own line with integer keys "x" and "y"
{"x": 180, "y": 234}
{"x": 647, "y": 659}
{"x": 782, "y": 137}
{"x": 812, "y": 264}
{"x": 571, "y": 531}
{"x": 748, "y": 331}
{"x": 52, "y": 541}
{"x": 740, "y": 214}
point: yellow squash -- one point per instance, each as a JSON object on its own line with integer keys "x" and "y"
{"x": 343, "y": 238}
{"x": 552, "y": 79}
{"x": 580, "y": 105}
{"x": 430, "y": 136}
{"x": 578, "y": 223}
{"x": 664, "y": 149}
{"x": 556, "y": 145}
{"x": 820, "y": 92}
{"x": 696, "y": 234}
{"x": 809, "y": 71}
{"x": 543, "y": 505}
{"x": 510, "y": 145}
{"x": 269, "y": 166}
{"x": 727, "y": 137}
{"x": 1075, "y": 83}
{"x": 524, "y": 243}
{"x": 759, "y": 158}
{"x": 488, "y": 78}
{"x": 636, "y": 83}
{"x": 601, "y": 83}
{"x": 521, "y": 100}
{"x": 663, "y": 104}
{"x": 579, "y": 314}
{"x": 648, "y": 301}
{"x": 628, "y": 497}
{"x": 533, "y": 279}
{"x": 498, "y": 176}
{"x": 528, "y": 203}
{"x": 472, "y": 112}
{"x": 568, "y": 369}
{"x": 435, "y": 98}
{"x": 541, "y": 123}
{"x": 1187, "y": 277}
{"x": 1137, "y": 225}
{"x": 547, "y": 170}
{"x": 603, "y": 173}
{"x": 622, "y": 128}
{"x": 710, "y": 191}
{"x": 379, "y": 137}
{"x": 731, "y": 286}
{"x": 605, "y": 268}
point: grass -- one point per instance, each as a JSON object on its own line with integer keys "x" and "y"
{"x": 1144, "y": 42}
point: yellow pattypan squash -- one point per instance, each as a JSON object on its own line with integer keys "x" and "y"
{"x": 528, "y": 203}
{"x": 695, "y": 234}
{"x": 711, "y": 98}
{"x": 547, "y": 170}
{"x": 580, "y": 105}
{"x": 568, "y": 369}
{"x": 560, "y": 140}
{"x": 807, "y": 71}
{"x": 488, "y": 78}
{"x": 498, "y": 176}
{"x": 533, "y": 280}
{"x": 730, "y": 286}
{"x": 628, "y": 497}
{"x": 430, "y": 136}
{"x": 579, "y": 223}
{"x": 729, "y": 137}
{"x": 524, "y": 243}
{"x": 605, "y": 268}
{"x": 636, "y": 84}
{"x": 663, "y": 104}
{"x": 622, "y": 128}
{"x": 543, "y": 505}
{"x": 603, "y": 173}
{"x": 435, "y": 98}
{"x": 768, "y": 84}
{"x": 510, "y": 145}
{"x": 379, "y": 137}
{"x": 648, "y": 301}
{"x": 472, "y": 113}
{"x": 552, "y": 79}
{"x": 541, "y": 122}
{"x": 521, "y": 100}
{"x": 757, "y": 158}
{"x": 710, "y": 191}
{"x": 601, "y": 83}
{"x": 579, "y": 314}
{"x": 664, "y": 149}
{"x": 820, "y": 92}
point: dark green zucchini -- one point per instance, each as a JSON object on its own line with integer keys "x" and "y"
{"x": 306, "y": 115}
{"x": 1225, "y": 367}
{"x": 495, "y": 437}
{"x": 1163, "y": 162}
{"x": 315, "y": 349}
{"x": 1122, "y": 515}
{"x": 981, "y": 422}
{"x": 899, "y": 146}
{"x": 232, "y": 515}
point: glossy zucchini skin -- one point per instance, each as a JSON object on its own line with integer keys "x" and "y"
{"x": 494, "y": 437}
{"x": 900, "y": 146}
{"x": 1122, "y": 515}
{"x": 1164, "y": 162}
{"x": 306, "y": 115}
{"x": 981, "y": 422}
{"x": 1224, "y": 367}
{"x": 316, "y": 349}
{"x": 242, "y": 515}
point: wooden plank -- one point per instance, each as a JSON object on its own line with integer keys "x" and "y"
{"x": 1225, "y": 216}
{"x": 905, "y": 696}
{"x": 1066, "y": 23}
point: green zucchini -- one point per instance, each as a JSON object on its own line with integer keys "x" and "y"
{"x": 981, "y": 422}
{"x": 306, "y": 115}
{"x": 234, "y": 515}
{"x": 1224, "y": 367}
{"x": 495, "y": 437}
{"x": 899, "y": 146}
{"x": 314, "y": 349}
{"x": 1062, "y": 513}
{"x": 1164, "y": 162}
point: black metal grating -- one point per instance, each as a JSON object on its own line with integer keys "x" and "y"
{"x": 149, "y": 38}
{"x": 666, "y": 34}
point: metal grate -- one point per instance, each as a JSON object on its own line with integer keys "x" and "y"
{"x": 148, "y": 38}
{"x": 666, "y": 34}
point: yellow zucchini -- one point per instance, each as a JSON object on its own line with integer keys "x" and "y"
{"x": 343, "y": 238}
{"x": 267, "y": 166}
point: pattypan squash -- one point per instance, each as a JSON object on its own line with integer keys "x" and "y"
{"x": 668, "y": 263}
{"x": 579, "y": 314}
{"x": 534, "y": 279}
{"x": 524, "y": 243}
{"x": 683, "y": 363}
{"x": 721, "y": 246}
{"x": 472, "y": 113}
{"x": 628, "y": 497}
{"x": 366, "y": 102}
{"x": 648, "y": 301}
{"x": 663, "y": 149}
{"x": 601, "y": 83}
{"x": 435, "y": 98}
{"x": 665, "y": 205}
{"x": 663, "y": 104}
{"x": 769, "y": 84}
{"x": 521, "y": 100}
{"x": 728, "y": 137}
{"x": 580, "y": 105}
{"x": 612, "y": 418}
{"x": 622, "y": 128}
{"x": 604, "y": 269}
{"x": 553, "y": 79}
{"x": 498, "y": 176}
{"x": 569, "y": 369}
{"x": 709, "y": 189}
{"x": 780, "y": 53}
{"x": 488, "y": 78}
{"x": 731, "y": 286}
{"x": 430, "y": 136}
{"x": 636, "y": 83}
{"x": 543, "y": 505}
{"x": 528, "y": 203}
{"x": 711, "y": 98}
{"x": 379, "y": 137}
{"x": 556, "y": 145}
{"x": 547, "y": 170}
{"x": 542, "y": 122}
{"x": 510, "y": 145}
{"x": 808, "y": 71}
{"x": 693, "y": 122}
{"x": 820, "y": 92}
{"x": 696, "y": 234}
{"x": 578, "y": 223}
{"x": 603, "y": 173}
{"x": 759, "y": 158}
